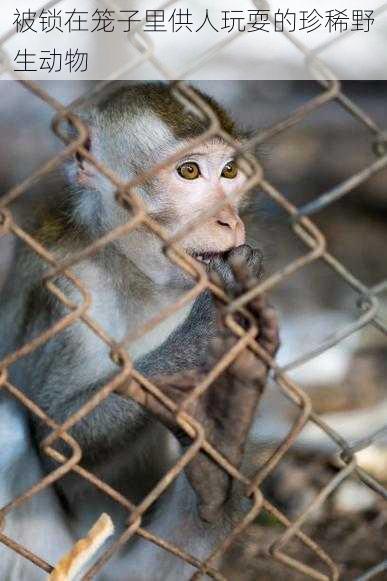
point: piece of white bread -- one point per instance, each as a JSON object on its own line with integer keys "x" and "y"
{"x": 83, "y": 550}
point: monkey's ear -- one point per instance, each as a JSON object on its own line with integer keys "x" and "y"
{"x": 79, "y": 158}
{"x": 83, "y": 171}
{"x": 82, "y": 122}
{"x": 79, "y": 170}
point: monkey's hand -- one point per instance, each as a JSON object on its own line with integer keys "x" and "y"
{"x": 227, "y": 408}
{"x": 237, "y": 270}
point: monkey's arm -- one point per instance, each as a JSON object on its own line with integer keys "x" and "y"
{"x": 226, "y": 410}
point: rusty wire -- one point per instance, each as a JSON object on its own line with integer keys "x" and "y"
{"x": 316, "y": 250}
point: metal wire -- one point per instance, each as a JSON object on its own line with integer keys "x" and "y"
{"x": 315, "y": 250}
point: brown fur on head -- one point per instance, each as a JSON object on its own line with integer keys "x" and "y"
{"x": 138, "y": 126}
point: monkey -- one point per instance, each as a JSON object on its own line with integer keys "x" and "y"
{"x": 130, "y": 280}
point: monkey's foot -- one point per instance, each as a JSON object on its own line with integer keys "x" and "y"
{"x": 226, "y": 410}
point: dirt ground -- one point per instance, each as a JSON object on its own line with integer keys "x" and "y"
{"x": 356, "y": 540}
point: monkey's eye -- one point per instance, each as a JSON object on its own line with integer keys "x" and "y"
{"x": 230, "y": 171}
{"x": 189, "y": 170}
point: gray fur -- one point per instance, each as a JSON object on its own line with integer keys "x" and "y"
{"x": 121, "y": 443}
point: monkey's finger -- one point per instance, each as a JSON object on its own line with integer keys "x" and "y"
{"x": 220, "y": 273}
{"x": 133, "y": 390}
{"x": 247, "y": 266}
{"x": 267, "y": 320}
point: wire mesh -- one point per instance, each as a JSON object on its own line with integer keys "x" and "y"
{"x": 315, "y": 250}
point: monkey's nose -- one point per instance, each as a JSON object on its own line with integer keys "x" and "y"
{"x": 223, "y": 224}
{"x": 229, "y": 219}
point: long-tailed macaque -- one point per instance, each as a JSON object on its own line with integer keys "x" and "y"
{"x": 131, "y": 129}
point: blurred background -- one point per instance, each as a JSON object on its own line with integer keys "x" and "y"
{"x": 348, "y": 382}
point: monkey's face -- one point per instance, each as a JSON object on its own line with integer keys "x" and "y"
{"x": 192, "y": 187}
{"x": 180, "y": 193}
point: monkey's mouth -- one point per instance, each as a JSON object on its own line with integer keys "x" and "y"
{"x": 207, "y": 257}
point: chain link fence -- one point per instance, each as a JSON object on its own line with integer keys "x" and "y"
{"x": 315, "y": 250}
